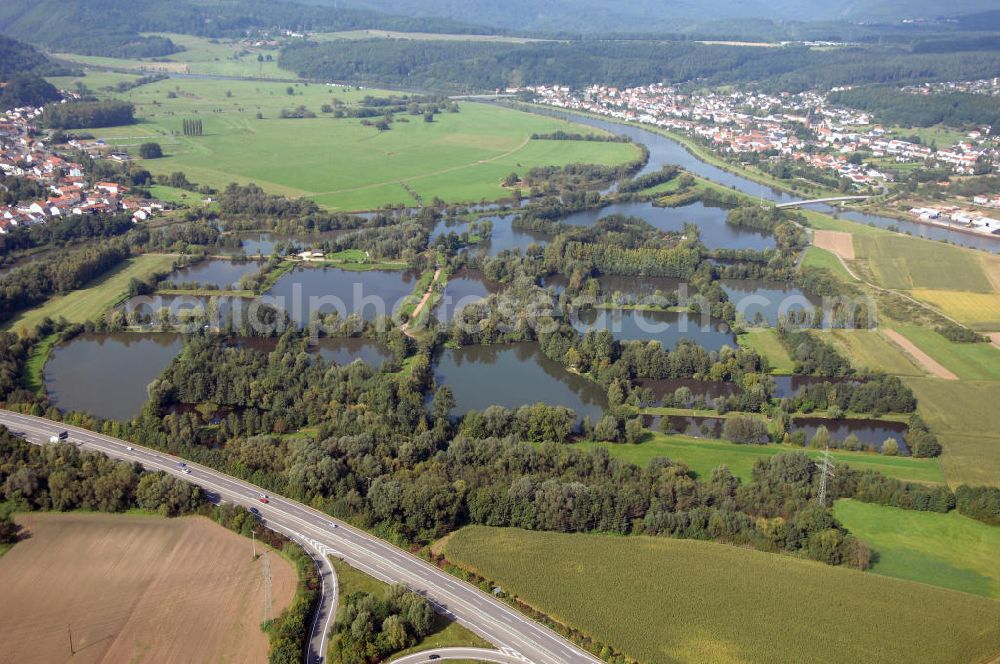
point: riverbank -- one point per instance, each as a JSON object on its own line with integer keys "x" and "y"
{"x": 699, "y": 152}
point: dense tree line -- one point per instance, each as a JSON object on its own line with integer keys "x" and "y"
{"x": 812, "y": 355}
{"x": 88, "y": 114}
{"x": 662, "y": 176}
{"x": 64, "y": 230}
{"x": 35, "y": 282}
{"x": 876, "y": 394}
{"x": 755, "y": 217}
{"x": 251, "y": 200}
{"x": 982, "y": 503}
{"x": 62, "y": 477}
{"x": 192, "y": 127}
{"x": 14, "y": 350}
{"x": 561, "y": 135}
{"x": 371, "y": 628}
{"x": 896, "y": 107}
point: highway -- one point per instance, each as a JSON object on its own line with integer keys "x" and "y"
{"x": 466, "y": 654}
{"x": 515, "y": 635}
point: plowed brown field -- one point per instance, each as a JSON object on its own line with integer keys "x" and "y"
{"x": 134, "y": 589}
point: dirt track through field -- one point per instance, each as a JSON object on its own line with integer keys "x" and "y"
{"x": 135, "y": 589}
{"x": 995, "y": 339}
{"x": 420, "y": 305}
{"x": 922, "y": 358}
{"x": 841, "y": 244}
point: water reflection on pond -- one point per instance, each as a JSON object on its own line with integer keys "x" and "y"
{"x": 667, "y": 327}
{"x": 465, "y": 287}
{"x": 515, "y": 375}
{"x": 107, "y": 374}
{"x": 224, "y": 274}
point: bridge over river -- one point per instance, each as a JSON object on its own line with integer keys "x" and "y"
{"x": 835, "y": 199}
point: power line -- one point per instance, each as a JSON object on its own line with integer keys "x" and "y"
{"x": 826, "y": 472}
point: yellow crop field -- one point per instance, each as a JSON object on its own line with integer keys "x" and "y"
{"x": 980, "y": 310}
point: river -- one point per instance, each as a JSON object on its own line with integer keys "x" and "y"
{"x": 664, "y": 150}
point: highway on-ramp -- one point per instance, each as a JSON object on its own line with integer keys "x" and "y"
{"x": 465, "y": 654}
{"x": 512, "y": 633}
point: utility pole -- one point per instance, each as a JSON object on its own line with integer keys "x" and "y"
{"x": 69, "y": 628}
{"x": 826, "y": 469}
{"x": 267, "y": 588}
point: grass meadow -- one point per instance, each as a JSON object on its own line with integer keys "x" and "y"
{"x": 201, "y": 55}
{"x": 87, "y": 303}
{"x": 824, "y": 222}
{"x": 338, "y": 162}
{"x": 703, "y": 456}
{"x": 766, "y": 343}
{"x": 905, "y": 263}
{"x": 947, "y": 550}
{"x": 664, "y": 600}
{"x": 821, "y": 258}
{"x": 968, "y": 361}
{"x": 869, "y": 349}
{"x": 964, "y": 416}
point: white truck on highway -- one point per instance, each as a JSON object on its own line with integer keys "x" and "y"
{"x": 60, "y": 438}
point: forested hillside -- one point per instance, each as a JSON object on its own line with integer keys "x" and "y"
{"x": 643, "y": 15}
{"x": 21, "y": 68}
{"x": 113, "y": 27}
{"x": 473, "y": 66}
{"x": 911, "y": 110}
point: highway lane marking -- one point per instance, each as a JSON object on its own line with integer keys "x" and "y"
{"x": 390, "y": 556}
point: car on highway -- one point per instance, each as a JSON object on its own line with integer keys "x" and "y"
{"x": 181, "y": 464}
{"x": 434, "y": 657}
{"x": 187, "y": 471}
{"x": 129, "y": 448}
{"x": 264, "y": 499}
{"x": 254, "y": 511}
{"x": 333, "y": 525}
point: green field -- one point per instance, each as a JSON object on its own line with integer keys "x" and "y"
{"x": 766, "y": 343}
{"x": 943, "y": 136}
{"x": 903, "y": 263}
{"x": 663, "y": 600}
{"x": 460, "y": 157}
{"x": 87, "y": 303}
{"x": 448, "y": 634}
{"x": 947, "y": 550}
{"x": 218, "y": 57}
{"x": 32, "y": 378}
{"x": 821, "y": 258}
{"x": 703, "y": 456}
{"x": 825, "y": 222}
{"x": 965, "y": 417}
{"x": 869, "y": 349}
{"x": 93, "y": 79}
{"x": 968, "y": 361}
